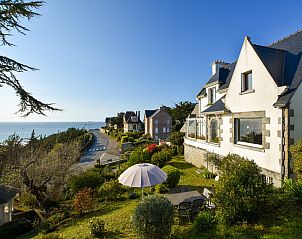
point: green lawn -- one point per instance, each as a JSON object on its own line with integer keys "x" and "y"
{"x": 285, "y": 224}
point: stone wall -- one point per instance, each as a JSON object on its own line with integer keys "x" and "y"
{"x": 197, "y": 157}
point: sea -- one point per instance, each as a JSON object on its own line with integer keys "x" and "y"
{"x": 24, "y": 129}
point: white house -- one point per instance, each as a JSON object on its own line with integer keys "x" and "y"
{"x": 251, "y": 108}
{"x": 7, "y": 195}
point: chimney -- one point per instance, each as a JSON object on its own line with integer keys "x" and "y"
{"x": 138, "y": 115}
{"x": 216, "y": 65}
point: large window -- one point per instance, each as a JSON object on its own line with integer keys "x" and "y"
{"x": 246, "y": 82}
{"x": 249, "y": 130}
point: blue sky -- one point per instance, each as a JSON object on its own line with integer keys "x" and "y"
{"x": 100, "y": 57}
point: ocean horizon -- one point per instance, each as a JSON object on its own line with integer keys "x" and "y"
{"x": 24, "y": 129}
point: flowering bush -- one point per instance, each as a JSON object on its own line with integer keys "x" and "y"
{"x": 152, "y": 148}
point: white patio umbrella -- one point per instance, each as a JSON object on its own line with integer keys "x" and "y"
{"x": 142, "y": 175}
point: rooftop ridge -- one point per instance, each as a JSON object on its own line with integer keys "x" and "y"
{"x": 300, "y": 30}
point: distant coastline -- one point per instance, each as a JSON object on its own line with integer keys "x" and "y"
{"x": 24, "y": 129}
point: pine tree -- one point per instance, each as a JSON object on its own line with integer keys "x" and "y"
{"x": 12, "y": 12}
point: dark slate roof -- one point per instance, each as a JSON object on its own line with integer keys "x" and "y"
{"x": 218, "y": 106}
{"x": 293, "y": 65}
{"x": 149, "y": 113}
{"x": 226, "y": 84}
{"x": 223, "y": 77}
{"x": 128, "y": 117}
{"x": 220, "y": 76}
{"x": 7, "y": 193}
{"x": 203, "y": 92}
{"x": 292, "y": 43}
{"x": 274, "y": 61}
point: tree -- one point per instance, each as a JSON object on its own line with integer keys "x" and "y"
{"x": 179, "y": 113}
{"x": 12, "y": 12}
{"x": 176, "y": 138}
{"x": 241, "y": 194}
{"x": 84, "y": 201}
{"x": 296, "y": 151}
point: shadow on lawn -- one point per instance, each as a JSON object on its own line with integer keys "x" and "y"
{"x": 181, "y": 165}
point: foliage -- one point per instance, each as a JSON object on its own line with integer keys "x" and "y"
{"x": 27, "y": 200}
{"x": 97, "y": 228}
{"x": 83, "y": 201}
{"x": 133, "y": 195}
{"x": 152, "y": 148}
{"x": 12, "y": 14}
{"x": 294, "y": 188}
{"x": 87, "y": 179}
{"x": 204, "y": 222}
{"x": 214, "y": 159}
{"x": 207, "y": 174}
{"x": 180, "y": 150}
{"x": 139, "y": 155}
{"x": 296, "y": 151}
{"x": 161, "y": 188}
{"x": 161, "y": 158}
{"x": 176, "y": 138}
{"x": 49, "y": 224}
{"x": 173, "y": 176}
{"x": 111, "y": 190}
{"x": 153, "y": 217}
{"x": 242, "y": 193}
{"x": 179, "y": 113}
{"x": 124, "y": 139}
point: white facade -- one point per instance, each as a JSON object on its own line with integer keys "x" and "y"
{"x": 221, "y": 130}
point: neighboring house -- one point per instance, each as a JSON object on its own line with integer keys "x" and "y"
{"x": 7, "y": 195}
{"x": 158, "y": 123}
{"x": 251, "y": 108}
{"x": 132, "y": 122}
{"x": 115, "y": 122}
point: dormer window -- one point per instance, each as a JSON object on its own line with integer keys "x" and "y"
{"x": 211, "y": 95}
{"x": 246, "y": 82}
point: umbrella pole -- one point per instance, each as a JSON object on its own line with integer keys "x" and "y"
{"x": 142, "y": 192}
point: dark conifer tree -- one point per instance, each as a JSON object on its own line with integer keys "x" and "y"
{"x": 12, "y": 12}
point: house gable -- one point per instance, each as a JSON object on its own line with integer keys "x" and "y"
{"x": 264, "y": 86}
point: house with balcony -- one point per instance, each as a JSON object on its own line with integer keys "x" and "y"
{"x": 251, "y": 108}
{"x": 158, "y": 123}
{"x": 132, "y": 122}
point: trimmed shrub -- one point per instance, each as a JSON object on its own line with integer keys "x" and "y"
{"x": 241, "y": 194}
{"x": 204, "y": 222}
{"x": 173, "y": 176}
{"x": 88, "y": 179}
{"x": 124, "y": 139}
{"x": 161, "y": 188}
{"x": 153, "y": 218}
{"x": 139, "y": 156}
{"x": 161, "y": 158}
{"x": 97, "y": 228}
{"x": 110, "y": 191}
{"x": 133, "y": 195}
{"x": 84, "y": 201}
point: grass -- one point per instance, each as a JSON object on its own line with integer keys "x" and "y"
{"x": 286, "y": 222}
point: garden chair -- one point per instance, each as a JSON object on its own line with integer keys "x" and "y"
{"x": 196, "y": 207}
{"x": 184, "y": 211}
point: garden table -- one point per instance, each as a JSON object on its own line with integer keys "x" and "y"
{"x": 177, "y": 198}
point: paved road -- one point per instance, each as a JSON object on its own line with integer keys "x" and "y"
{"x": 94, "y": 152}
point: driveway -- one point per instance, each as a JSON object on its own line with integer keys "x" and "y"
{"x": 96, "y": 150}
